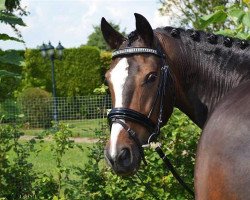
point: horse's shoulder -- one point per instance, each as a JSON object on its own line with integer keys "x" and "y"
{"x": 223, "y": 151}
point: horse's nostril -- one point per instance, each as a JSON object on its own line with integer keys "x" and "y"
{"x": 124, "y": 154}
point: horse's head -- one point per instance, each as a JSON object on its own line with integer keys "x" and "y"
{"x": 138, "y": 80}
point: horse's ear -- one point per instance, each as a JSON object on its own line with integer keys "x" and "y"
{"x": 113, "y": 38}
{"x": 144, "y": 29}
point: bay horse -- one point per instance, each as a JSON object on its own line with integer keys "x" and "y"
{"x": 206, "y": 76}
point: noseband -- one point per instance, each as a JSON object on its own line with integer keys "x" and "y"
{"x": 120, "y": 115}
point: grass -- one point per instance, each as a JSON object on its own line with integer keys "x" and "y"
{"x": 79, "y": 128}
{"x": 45, "y": 162}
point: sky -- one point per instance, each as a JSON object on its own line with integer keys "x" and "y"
{"x": 71, "y": 21}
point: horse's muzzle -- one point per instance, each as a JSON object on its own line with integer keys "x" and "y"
{"x": 125, "y": 163}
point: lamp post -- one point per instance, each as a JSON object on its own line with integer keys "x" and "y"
{"x": 49, "y": 50}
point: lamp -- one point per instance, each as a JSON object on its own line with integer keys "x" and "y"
{"x": 49, "y": 50}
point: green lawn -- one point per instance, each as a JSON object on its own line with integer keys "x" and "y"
{"x": 86, "y": 128}
{"x": 45, "y": 162}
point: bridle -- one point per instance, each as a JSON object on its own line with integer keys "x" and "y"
{"x": 119, "y": 115}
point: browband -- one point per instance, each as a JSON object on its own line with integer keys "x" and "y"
{"x": 136, "y": 50}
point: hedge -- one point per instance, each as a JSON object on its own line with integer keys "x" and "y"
{"x": 78, "y": 73}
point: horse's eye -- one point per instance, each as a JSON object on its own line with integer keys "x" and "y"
{"x": 151, "y": 78}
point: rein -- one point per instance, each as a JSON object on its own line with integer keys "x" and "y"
{"x": 119, "y": 115}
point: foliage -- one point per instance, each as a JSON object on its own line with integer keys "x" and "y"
{"x": 85, "y": 63}
{"x": 11, "y": 14}
{"x": 96, "y": 38}
{"x": 77, "y": 74}
{"x": 91, "y": 182}
{"x": 5, "y": 115}
{"x": 94, "y": 180}
{"x": 189, "y": 11}
{"x": 106, "y": 58}
{"x": 18, "y": 179}
{"x": 9, "y": 73}
{"x": 35, "y": 104}
{"x": 11, "y": 57}
{"x": 16, "y": 175}
{"x": 179, "y": 138}
{"x": 7, "y": 17}
{"x": 237, "y": 15}
{"x": 101, "y": 90}
{"x": 61, "y": 143}
{"x": 2, "y": 4}
{"x": 8, "y": 80}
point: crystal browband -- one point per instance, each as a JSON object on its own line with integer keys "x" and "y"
{"x": 137, "y": 50}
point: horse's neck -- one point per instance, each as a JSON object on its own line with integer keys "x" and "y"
{"x": 204, "y": 74}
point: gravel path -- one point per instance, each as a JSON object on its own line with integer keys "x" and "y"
{"x": 76, "y": 139}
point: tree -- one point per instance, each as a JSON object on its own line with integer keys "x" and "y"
{"x": 10, "y": 74}
{"x": 13, "y": 6}
{"x": 188, "y": 12}
{"x": 8, "y": 58}
{"x": 236, "y": 18}
{"x": 96, "y": 38}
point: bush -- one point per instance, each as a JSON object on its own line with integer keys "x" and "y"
{"x": 94, "y": 180}
{"x": 36, "y": 107}
{"x": 18, "y": 179}
{"x": 179, "y": 138}
{"x": 16, "y": 175}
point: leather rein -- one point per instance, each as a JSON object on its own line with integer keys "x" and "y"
{"x": 120, "y": 115}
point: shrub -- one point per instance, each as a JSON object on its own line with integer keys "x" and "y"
{"x": 94, "y": 180}
{"x": 16, "y": 175}
{"x": 36, "y": 107}
{"x": 179, "y": 138}
{"x": 18, "y": 179}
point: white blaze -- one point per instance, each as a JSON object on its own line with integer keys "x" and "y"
{"x": 117, "y": 78}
